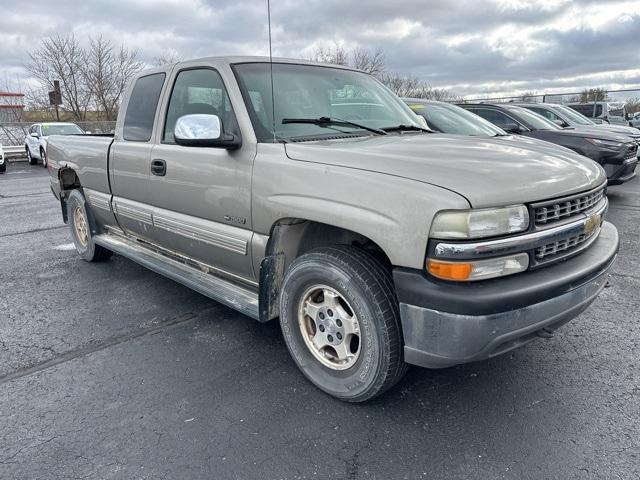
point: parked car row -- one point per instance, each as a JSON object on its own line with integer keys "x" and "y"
{"x": 613, "y": 147}
{"x": 311, "y": 194}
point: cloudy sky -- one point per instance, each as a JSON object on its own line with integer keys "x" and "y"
{"x": 471, "y": 46}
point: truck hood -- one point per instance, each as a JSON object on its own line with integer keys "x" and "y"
{"x": 591, "y": 132}
{"x": 486, "y": 171}
{"x": 617, "y": 129}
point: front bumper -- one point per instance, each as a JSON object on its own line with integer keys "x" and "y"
{"x": 446, "y": 323}
{"x": 619, "y": 174}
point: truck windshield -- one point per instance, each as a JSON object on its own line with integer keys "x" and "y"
{"x": 313, "y": 92}
{"x": 455, "y": 120}
{"x": 67, "y": 129}
{"x": 535, "y": 121}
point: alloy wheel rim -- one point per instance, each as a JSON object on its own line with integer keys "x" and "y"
{"x": 80, "y": 224}
{"x": 329, "y": 327}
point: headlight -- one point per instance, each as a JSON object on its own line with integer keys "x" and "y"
{"x": 480, "y": 223}
{"x": 604, "y": 143}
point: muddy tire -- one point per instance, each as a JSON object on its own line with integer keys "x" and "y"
{"x": 81, "y": 223}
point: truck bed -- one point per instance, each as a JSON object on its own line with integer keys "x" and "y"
{"x": 86, "y": 154}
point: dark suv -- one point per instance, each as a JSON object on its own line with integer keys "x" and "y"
{"x": 567, "y": 117}
{"x": 616, "y": 153}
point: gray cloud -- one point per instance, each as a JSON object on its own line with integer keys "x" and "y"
{"x": 473, "y": 46}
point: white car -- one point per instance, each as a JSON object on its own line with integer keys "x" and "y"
{"x": 3, "y": 161}
{"x": 35, "y": 143}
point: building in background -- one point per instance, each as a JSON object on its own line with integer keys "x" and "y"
{"x": 11, "y": 106}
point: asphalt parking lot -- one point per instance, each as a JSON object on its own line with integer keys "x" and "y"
{"x": 112, "y": 371}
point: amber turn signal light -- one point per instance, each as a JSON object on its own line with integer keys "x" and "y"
{"x": 449, "y": 270}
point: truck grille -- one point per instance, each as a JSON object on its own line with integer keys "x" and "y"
{"x": 563, "y": 247}
{"x": 553, "y": 211}
{"x": 632, "y": 151}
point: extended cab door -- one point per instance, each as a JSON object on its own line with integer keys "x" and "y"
{"x": 130, "y": 157}
{"x": 202, "y": 195}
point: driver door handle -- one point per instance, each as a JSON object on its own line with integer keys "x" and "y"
{"x": 158, "y": 167}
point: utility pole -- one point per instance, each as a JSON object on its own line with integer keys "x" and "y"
{"x": 55, "y": 98}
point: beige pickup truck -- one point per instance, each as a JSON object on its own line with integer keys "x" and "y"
{"x": 311, "y": 194}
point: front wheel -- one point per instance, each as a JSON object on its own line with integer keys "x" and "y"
{"x": 340, "y": 321}
{"x": 43, "y": 156}
{"x": 30, "y": 158}
{"x": 81, "y": 231}
{"x": 3, "y": 168}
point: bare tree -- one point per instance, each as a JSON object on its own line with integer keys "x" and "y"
{"x": 168, "y": 57}
{"x": 336, "y": 54}
{"x": 37, "y": 100}
{"x": 62, "y": 58}
{"x": 594, "y": 95}
{"x": 108, "y": 72}
{"x": 373, "y": 62}
{"x": 370, "y": 61}
{"x": 412, "y": 87}
{"x": 527, "y": 97}
{"x": 633, "y": 104}
{"x": 92, "y": 78}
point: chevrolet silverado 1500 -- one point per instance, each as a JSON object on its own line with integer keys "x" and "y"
{"x": 312, "y": 194}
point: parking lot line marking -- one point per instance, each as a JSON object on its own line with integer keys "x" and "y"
{"x": 104, "y": 344}
{"x": 65, "y": 246}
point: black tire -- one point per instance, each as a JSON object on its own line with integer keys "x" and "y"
{"x": 3, "y": 167}
{"x": 87, "y": 249}
{"x": 367, "y": 287}
{"x": 43, "y": 157}
{"x": 30, "y": 158}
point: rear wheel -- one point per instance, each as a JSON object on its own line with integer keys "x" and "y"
{"x": 340, "y": 320}
{"x": 78, "y": 214}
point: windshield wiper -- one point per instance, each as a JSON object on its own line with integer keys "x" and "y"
{"x": 413, "y": 128}
{"x": 333, "y": 121}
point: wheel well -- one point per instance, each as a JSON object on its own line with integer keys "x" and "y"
{"x": 68, "y": 181}
{"x": 292, "y": 237}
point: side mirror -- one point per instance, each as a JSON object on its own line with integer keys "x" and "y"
{"x": 512, "y": 128}
{"x": 87, "y": 132}
{"x": 560, "y": 123}
{"x": 203, "y": 130}
{"x": 34, "y": 135}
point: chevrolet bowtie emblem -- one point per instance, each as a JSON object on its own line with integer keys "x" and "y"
{"x": 591, "y": 223}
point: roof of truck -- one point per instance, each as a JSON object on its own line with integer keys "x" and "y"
{"x": 259, "y": 59}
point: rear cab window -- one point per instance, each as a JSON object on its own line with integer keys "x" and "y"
{"x": 141, "y": 109}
